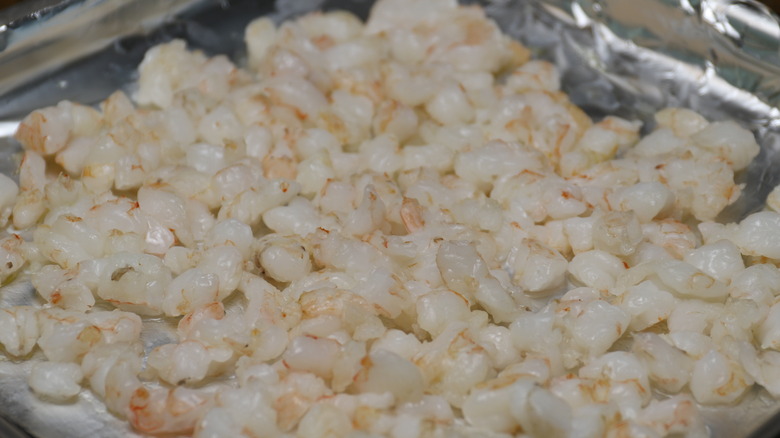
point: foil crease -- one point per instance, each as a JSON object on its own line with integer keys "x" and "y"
{"x": 720, "y": 58}
{"x": 624, "y": 57}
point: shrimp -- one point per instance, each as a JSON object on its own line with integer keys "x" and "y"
{"x": 538, "y": 269}
{"x": 267, "y": 306}
{"x": 412, "y": 215}
{"x": 209, "y": 342}
{"x": 454, "y": 363}
{"x": 112, "y": 372}
{"x": 240, "y": 412}
{"x": 47, "y": 130}
{"x": 284, "y": 259}
{"x": 12, "y": 256}
{"x": 30, "y": 204}
{"x": 297, "y": 393}
{"x": 676, "y": 237}
{"x": 537, "y": 119}
{"x": 167, "y": 411}
{"x": 676, "y": 415}
{"x": 395, "y": 118}
{"x": 407, "y": 208}
{"x": 683, "y": 122}
{"x": 57, "y": 381}
{"x": 460, "y": 264}
{"x": 66, "y": 336}
{"x": 187, "y": 361}
{"x": 19, "y": 329}
{"x": 9, "y": 191}
{"x": 534, "y": 75}
{"x": 668, "y": 368}
{"x": 716, "y": 378}
{"x": 369, "y": 215}
{"x": 133, "y": 281}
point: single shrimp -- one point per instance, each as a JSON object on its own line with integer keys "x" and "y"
{"x": 67, "y": 335}
{"x": 299, "y": 391}
{"x": 47, "y": 130}
{"x": 675, "y": 415}
{"x": 19, "y": 329}
{"x": 167, "y": 411}
{"x": 11, "y": 256}
{"x": 676, "y": 237}
{"x": 412, "y": 215}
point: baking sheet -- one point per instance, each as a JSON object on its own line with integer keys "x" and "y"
{"x": 626, "y": 57}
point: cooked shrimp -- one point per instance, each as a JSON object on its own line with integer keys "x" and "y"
{"x": 167, "y": 411}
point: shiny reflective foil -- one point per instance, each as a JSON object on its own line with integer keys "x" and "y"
{"x": 624, "y": 57}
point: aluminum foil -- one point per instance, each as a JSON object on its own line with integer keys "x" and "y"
{"x": 625, "y": 57}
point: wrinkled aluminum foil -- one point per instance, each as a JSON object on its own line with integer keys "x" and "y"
{"x": 624, "y": 57}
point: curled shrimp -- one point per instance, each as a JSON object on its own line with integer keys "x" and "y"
{"x": 167, "y": 411}
{"x": 46, "y": 130}
{"x": 411, "y": 215}
{"x": 11, "y": 255}
{"x": 19, "y": 330}
{"x": 675, "y": 415}
{"x": 676, "y": 237}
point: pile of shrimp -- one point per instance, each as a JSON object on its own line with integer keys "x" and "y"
{"x": 394, "y": 228}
